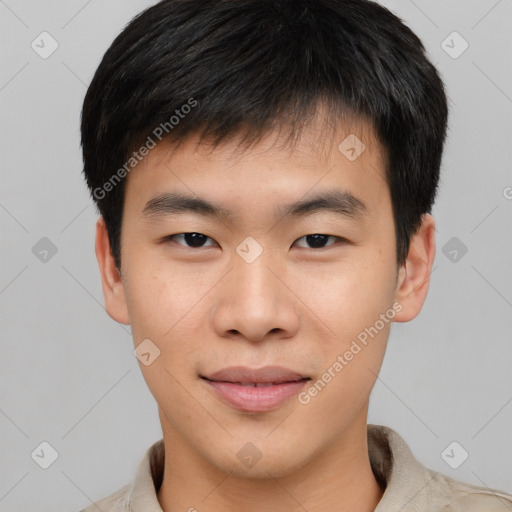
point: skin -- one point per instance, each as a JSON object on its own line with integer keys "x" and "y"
{"x": 296, "y": 306}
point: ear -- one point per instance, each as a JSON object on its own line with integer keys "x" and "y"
{"x": 112, "y": 284}
{"x": 414, "y": 275}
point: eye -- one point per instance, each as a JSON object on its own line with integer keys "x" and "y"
{"x": 317, "y": 240}
{"x": 192, "y": 240}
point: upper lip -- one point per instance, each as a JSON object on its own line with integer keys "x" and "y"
{"x": 244, "y": 375}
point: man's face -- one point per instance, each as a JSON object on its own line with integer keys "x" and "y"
{"x": 254, "y": 290}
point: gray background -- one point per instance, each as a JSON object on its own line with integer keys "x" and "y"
{"x": 67, "y": 371}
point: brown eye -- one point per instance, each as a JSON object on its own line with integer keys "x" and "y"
{"x": 192, "y": 240}
{"x": 317, "y": 240}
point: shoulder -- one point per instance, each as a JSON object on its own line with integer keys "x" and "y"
{"x": 116, "y": 502}
{"x": 140, "y": 493}
{"x": 411, "y": 486}
{"x": 456, "y": 496}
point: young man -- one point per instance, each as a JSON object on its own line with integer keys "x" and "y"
{"x": 265, "y": 172}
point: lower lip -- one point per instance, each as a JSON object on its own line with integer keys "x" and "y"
{"x": 256, "y": 399}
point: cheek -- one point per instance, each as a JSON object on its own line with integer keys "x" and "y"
{"x": 165, "y": 306}
{"x": 161, "y": 305}
{"x": 158, "y": 294}
{"x": 349, "y": 294}
{"x": 148, "y": 304}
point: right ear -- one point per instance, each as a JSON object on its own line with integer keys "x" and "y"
{"x": 111, "y": 281}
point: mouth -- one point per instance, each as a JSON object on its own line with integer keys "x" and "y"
{"x": 255, "y": 390}
{"x": 259, "y": 384}
{"x": 270, "y": 375}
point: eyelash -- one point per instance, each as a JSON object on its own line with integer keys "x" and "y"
{"x": 170, "y": 238}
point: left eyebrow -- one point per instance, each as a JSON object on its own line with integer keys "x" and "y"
{"x": 336, "y": 201}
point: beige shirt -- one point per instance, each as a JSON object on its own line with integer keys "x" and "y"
{"x": 410, "y": 486}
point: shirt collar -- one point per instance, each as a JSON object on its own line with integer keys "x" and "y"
{"x": 392, "y": 462}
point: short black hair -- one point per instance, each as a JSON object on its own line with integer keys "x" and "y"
{"x": 220, "y": 68}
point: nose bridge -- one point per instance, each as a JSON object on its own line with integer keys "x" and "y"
{"x": 254, "y": 284}
{"x": 254, "y": 281}
{"x": 255, "y": 302}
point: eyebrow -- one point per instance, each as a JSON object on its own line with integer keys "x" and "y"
{"x": 336, "y": 201}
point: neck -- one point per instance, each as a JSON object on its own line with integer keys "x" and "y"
{"x": 339, "y": 479}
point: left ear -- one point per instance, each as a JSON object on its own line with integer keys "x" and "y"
{"x": 414, "y": 275}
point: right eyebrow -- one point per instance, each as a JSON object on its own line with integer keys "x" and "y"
{"x": 170, "y": 203}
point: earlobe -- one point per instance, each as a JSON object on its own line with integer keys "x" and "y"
{"x": 414, "y": 275}
{"x": 111, "y": 282}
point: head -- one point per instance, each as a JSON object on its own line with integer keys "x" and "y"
{"x": 277, "y": 120}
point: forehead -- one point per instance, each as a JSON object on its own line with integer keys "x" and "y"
{"x": 347, "y": 157}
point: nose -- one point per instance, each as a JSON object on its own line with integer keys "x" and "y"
{"x": 256, "y": 303}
